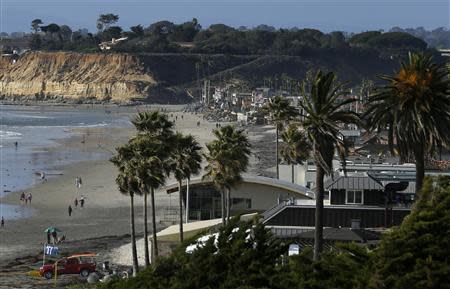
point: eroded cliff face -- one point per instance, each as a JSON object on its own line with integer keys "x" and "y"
{"x": 74, "y": 76}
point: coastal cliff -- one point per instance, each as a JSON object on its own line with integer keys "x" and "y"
{"x": 121, "y": 78}
{"x": 45, "y": 76}
{"x": 159, "y": 78}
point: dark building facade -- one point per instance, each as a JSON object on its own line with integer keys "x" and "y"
{"x": 337, "y": 216}
{"x": 359, "y": 199}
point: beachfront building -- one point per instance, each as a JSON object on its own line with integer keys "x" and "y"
{"x": 370, "y": 201}
{"x": 252, "y": 194}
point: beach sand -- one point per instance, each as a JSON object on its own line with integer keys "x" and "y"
{"x": 103, "y": 223}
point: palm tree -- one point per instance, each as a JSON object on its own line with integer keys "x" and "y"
{"x": 296, "y": 148}
{"x": 129, "y": 185}
{"x": 324, "y": 112}
{"x": 227, "y": 158}
{"x": 150, "y": 171}
{"x": 239, "y": 151}
{"x": 185, "y": 161}
{"x": 158, "y": 128}
{"x": 415, "y": 108}
{"x": 280, "y": 112}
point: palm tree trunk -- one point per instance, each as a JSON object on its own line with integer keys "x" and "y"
{"x": 276, "y": 151}
{"x": 420, "y": 169}
{"x": 146, "y": 253}
{"x": 292, "y": 173}
{"x": 228, "y": 204}
{"x": 133, "y": 237}
{"x": 318, "y": 234}
{"x": 155, "y": 241}
{"x": 180, "y": 204}
{"x": 222, "y": 195}
{"x": 187, "y": 201}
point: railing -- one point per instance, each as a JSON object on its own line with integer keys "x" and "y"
{"x": 272, "y": 211}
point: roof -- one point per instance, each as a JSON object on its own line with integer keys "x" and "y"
{"x": 343, "y": 234}
{"x": 295, "y": 188}
{"x": 190, "y": 229}
{"x": 353, "y": 182}
{"x": 350, "y": 133}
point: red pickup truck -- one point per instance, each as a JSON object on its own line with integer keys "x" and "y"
{"x": 82, "y": 264}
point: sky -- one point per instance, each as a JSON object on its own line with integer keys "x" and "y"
{"x": 326, "y": 15}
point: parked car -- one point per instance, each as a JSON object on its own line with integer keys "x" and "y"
{"x": 82, "y": 264}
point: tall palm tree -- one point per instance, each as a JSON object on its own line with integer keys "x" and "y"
{"x": 238, "y": 148}
{"x": 296, "y": 148}
{"x": 414, "y": 106}
{"x": 158, "y": 128}
{"x": 324, "y": 112}
{"x": 227, "y": 158}
{"x": 150, "y": 171}
{"x": 185, "y": 161}
{"x": 280, "y": 112}
{"x": 129, "y": 185}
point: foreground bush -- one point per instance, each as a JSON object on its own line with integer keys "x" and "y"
{"x": 417, "y": 254}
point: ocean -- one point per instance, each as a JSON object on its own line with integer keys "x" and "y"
{"x": 25, "y": 132}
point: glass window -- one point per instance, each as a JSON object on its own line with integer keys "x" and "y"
{"x": 72, "y": 261}
{"x": 241, "y": 203}
{"x": 354, "y": 197}
{"x": 358, "y": 197}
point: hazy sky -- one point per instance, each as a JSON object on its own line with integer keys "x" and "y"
{"x": 326, "y": 15}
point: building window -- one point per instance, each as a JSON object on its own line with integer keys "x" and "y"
{"x": 354, "y": 197}
{"x": 241, "y": 203}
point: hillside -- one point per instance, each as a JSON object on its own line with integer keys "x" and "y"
{"x": 159, "y": 78}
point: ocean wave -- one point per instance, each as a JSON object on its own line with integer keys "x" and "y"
{"x": 9, "y": 135}
{"x": 28, "y": 116}
{"x": 66, "y": 126}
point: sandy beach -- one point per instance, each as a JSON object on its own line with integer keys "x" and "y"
{"x": 103, "y": 223}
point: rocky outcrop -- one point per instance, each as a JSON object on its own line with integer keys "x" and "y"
{"x": 74, "y": 76}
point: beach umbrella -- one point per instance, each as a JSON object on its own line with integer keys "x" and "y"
{"x": 52, "y": 229}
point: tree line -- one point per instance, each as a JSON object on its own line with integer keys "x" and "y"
{"x": 190, "y": 37}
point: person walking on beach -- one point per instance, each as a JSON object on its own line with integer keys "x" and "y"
{"x": 29, "y": 197}
{"x": 82, "y": 202}
{"x": 75, "y": 202}
{"x": 69, "y": 210}
{"x": 78, "y": 182}
{"x": 22, "y": 197}
{"x": 43, "y": 177}
{"x": 2, "y": 223}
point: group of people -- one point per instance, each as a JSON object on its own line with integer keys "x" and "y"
{"x": 78, "y": 183}
{"x": 75, "y": 203}
{"x": 52, "y": 238}
{"x": 26, "y": 198}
